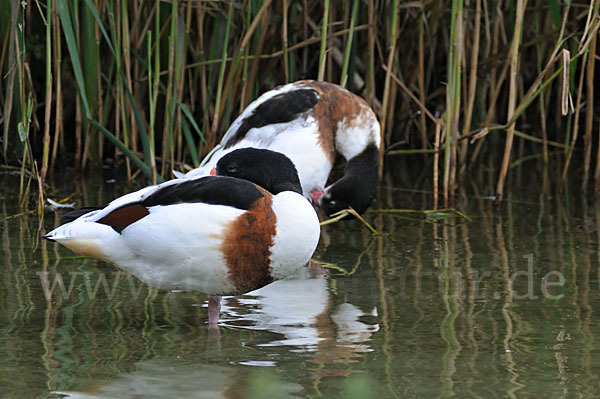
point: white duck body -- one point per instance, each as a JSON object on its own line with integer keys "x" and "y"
{"x": 181, "y": 235}
{"x": 308, "y": 121}
{"x": 165, "y": 249}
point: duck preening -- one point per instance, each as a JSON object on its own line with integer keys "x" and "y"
{"x": 219, "y": 235}
{"x": 311, "y": 122}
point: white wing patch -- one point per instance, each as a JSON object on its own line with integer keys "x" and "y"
{"x": 351, "y": 138}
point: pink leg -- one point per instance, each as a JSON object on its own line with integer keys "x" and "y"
{"x": 214, "y": 310}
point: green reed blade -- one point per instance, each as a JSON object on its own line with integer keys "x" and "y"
{"x": 292, "y": 58}
{"x": 190, "y": 142}
{"x": 90, "y": 52}
{"x": 48, "y": 78}
{"x": 222, "y": 71}
{"x": 554, "y": 12}
{"x": 188, "y": 114}
{"x": 91, "y": 61}
{"x": 67, "y": 26}
{"x": 134, "y": 158}
{"x": 151, "y": 104}
{"x": 324, "y": 26}
{"x": 349, "y": 44}
{"x": 140, "y": 123}
{"x": 453, "y": 92}
{"x": 13, "y": 11}
{"x": 94, "y": 13}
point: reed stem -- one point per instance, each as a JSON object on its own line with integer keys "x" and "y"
{"x": 512, "y": 96}
{"x": 322, "y": 51}
{"x": 388, "y": 76}
{"x": 344, "y": 76}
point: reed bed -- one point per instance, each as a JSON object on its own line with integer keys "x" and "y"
{"x": 153, "y": 85}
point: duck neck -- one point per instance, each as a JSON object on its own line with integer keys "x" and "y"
{"x": 364, "y": 167}
{"x": 286, "y": 186}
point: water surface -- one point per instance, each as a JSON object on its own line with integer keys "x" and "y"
{"x": 500, "y": 307}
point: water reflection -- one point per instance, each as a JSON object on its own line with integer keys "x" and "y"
{"x": 178, "y": 378}
{"x": 289, "y": 307}
{"x": 302, "y": 310}
{"x": 504, "y": 306}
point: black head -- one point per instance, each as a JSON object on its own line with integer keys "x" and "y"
{"x": 271, "y": 170}
{"x": 358, "y": 186}
{"x": 347, "y": 192}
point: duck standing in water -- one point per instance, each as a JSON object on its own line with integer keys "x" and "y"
{"x": 311, "y": 122}
{"x": 219, "y": 235}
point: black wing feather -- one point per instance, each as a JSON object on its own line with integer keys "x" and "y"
{"x": 76, "y": 213}
{"x": 216, "y": 190}
{"x": 282, "y": 108}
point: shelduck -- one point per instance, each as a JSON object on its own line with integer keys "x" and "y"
{"x": 219, "y": 235}
{"x": 311, "y": 122}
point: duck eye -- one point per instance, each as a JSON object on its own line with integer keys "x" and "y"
{"x": 332, "y": 204}
{"x": 232, "y": 168}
